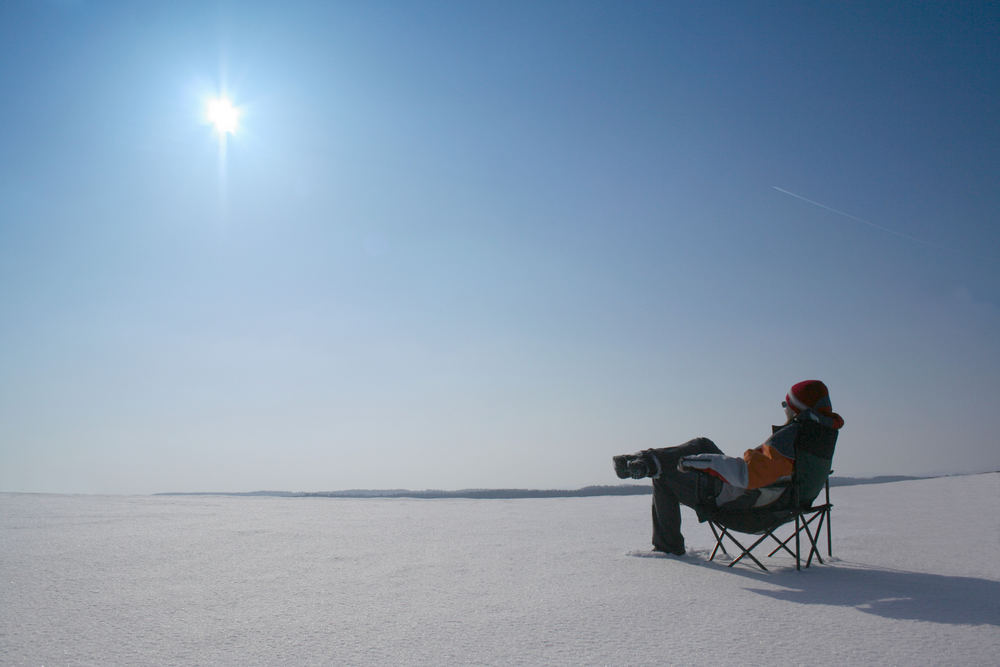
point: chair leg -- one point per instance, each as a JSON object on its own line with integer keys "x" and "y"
{"x": 718, "y": 540}
{"x": 814, "y": 547}
{"x": 781, "y": 544}
{"x": 797, "y": 552}
{"x": 746, "y": 552}
{"x": 829, "y": 517}
{"x": 829, "y": 538}
{"x": 721, "y": 533}
{"x": 784, "y": 544}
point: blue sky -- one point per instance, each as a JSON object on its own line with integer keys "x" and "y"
{"x": 489, "y": 244}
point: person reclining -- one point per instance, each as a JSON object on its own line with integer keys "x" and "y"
{"x": 698, "y": 474}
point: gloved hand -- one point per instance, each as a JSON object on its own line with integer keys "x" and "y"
{"x": 729, "y": 469}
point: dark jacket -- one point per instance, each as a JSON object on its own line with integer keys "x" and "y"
{"x": 759, "y": 478}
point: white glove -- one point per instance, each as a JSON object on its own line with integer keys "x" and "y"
{"x": 695, "y": 462}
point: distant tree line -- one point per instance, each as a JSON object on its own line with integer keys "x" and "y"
{"x": 501, "y": 494}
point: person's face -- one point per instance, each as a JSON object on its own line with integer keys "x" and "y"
{"x": 789, "y": 413}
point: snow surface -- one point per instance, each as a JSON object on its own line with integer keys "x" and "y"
{"x": 565, "y": 581}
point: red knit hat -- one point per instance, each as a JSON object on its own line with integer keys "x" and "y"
{"x": 814, "y": 395}
{"x": 809, "y": 394}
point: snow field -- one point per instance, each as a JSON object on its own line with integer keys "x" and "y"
{"x": 569, "y": 581}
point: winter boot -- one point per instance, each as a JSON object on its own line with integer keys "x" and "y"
{"x": 636, "y": 466}
{"x": 621, "y": 465}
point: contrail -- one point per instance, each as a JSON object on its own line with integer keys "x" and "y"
{"x": 862, "y": 220}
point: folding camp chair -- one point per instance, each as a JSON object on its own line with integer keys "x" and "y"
{"x": 802, "y": 518}
{"x": 814, "y": 448}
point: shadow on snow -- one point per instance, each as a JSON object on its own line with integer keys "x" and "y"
{"x": 886, "y": 592}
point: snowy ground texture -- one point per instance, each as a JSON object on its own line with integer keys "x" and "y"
{"x": 570, "y": 581}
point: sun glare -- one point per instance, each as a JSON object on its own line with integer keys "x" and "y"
{"x": 223, "y": 115}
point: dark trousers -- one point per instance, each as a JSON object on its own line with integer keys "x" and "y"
{"x": 672, "y": 488}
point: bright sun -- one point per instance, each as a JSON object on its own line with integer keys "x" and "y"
{"x": 223, "y": 115}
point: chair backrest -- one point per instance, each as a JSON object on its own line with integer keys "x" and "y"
{"x": 814, "y": 448}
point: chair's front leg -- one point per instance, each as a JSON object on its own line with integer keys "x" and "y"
{"x": 718, "y": 540}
